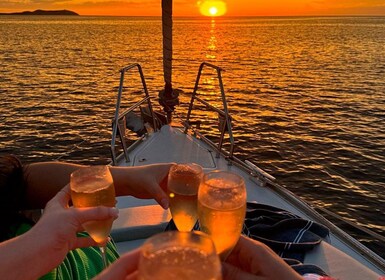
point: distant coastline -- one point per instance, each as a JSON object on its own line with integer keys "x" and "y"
{"x": 44, "y": 12}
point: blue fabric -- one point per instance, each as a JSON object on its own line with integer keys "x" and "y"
{"x": 287, "y": 234}
{"x": 290, "y": 236}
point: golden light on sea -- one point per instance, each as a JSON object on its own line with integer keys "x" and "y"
{"x": 212, "y": 8}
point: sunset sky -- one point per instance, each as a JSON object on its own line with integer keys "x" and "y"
{"x": 192, "y": 7}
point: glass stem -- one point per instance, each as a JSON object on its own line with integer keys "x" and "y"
{"x": 104, "y": 257}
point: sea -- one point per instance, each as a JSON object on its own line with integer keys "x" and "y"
{"x": 306, "y": 94}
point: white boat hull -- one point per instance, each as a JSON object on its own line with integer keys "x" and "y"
{"x": 140, "y": 219}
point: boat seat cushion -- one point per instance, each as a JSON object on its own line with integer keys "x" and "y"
{"x": 139, "y": 223}
{"x": 337, "y": 264}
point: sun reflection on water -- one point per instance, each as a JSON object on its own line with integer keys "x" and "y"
{"x": 212, "y": 46}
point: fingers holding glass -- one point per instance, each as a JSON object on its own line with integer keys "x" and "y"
{"x": 179, "y": 255}
{"x": 90, "y": 187}
{"x": 183, "y": 184}
{"x": 222, "y": 209}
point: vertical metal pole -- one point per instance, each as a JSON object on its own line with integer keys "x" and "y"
{"x": 116, "y": 119}
{"x": 167, "y": 40}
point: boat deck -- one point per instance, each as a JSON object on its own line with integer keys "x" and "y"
{"x": 140, "y": 218}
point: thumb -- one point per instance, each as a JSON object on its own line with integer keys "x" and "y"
{"x": 132, "y": 276}
{"x": 62, "y": 197}
{"x": 160, "y": 196}
{"x": 162, "y": 177}
{"x": 234, "y": 273}
{"x": 157, "y": 187}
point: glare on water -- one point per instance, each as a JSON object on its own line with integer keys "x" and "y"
{"x": 306, "y": 94}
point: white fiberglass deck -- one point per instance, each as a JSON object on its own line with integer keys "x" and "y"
{"x": 140, "y": 219}
{"x": 173, "y": 146}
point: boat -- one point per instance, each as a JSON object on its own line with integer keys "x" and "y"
{"x": 184, "y": 140}
{"x": 142, "y": 135}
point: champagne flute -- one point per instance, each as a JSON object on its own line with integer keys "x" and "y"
{"x": 179, "y": 255}
{"x": 183, "y": 184}
{"x": 222, "y": 209}
{"x": 90, "y": 187}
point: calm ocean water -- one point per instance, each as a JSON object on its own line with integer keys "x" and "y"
{"x": 307, "y": 95}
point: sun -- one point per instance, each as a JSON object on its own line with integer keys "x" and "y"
{"x": 213, "y": 11}
{"x": 212, "y": 8}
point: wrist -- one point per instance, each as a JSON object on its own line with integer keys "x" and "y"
{"x": 42, "y": 252}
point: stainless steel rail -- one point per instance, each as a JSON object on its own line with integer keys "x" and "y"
{"x": 223, "y": 114}
{"x": 120, "y": 116}
{"x": 255, "y": 172}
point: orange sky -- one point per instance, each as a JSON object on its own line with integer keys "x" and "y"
{"x": 190, "y": 7}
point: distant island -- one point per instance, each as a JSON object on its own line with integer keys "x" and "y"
{"x": 44, "y": 12}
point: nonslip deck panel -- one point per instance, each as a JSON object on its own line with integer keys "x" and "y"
{"x": 167, "y": 145}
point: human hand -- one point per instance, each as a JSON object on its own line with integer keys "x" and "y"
{"x": 55, "y": 233}
{"x": 146, "y": 182}
{"x": 253, "y": 260}
{"x": 126, "y": 267}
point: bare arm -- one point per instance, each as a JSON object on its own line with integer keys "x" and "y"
{"x": 45, "y": 179}
{"x": 149, "y": 181}
{"x": 44, "y": 247}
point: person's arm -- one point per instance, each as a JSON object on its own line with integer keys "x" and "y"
{"x": 253, "y": 260}
{"x": 20, "y": 258}
{"x": 149, "y": 181}
{"x": 45, "y": 179}
{"x": 42, "y": 248}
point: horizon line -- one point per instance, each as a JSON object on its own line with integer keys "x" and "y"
{"x": 202, "y": 16}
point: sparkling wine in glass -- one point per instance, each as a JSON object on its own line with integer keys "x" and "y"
{"x": 222, "y": 209}
{"x": 183, "y": 184}
{"x": 179, "y": 255}
{"x": 90, "y": 187}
